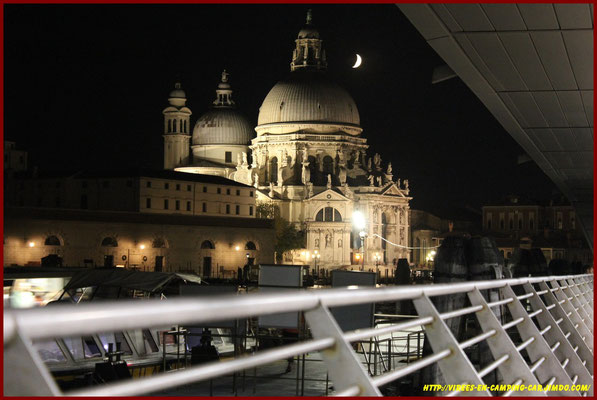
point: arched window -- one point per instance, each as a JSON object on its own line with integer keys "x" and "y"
{"x": 185, "y": 126}
{"x": 169, "y": 125}
{"x": 328, "y": 214}
{"x": 250, "y": 246}
{"x": 52, "y": 241}
{"x": 273, "y": 170}
{"x": 207, "y": 244}
{"x": 109, "y": 242}
{"x": 158, "y": 243}
{"x": 328, "y": 166}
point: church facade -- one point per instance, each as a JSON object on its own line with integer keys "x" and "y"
{"x": 307, "y": 155}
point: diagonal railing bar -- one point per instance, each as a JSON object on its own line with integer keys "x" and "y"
{"x": 585, "y": 350}
{"x": 581, "y": 297}
{"x": 501, "y": 344}
{"x": 343, "y": 365}
{"x": 560, "y": 344}
{"x": 552, "y": 333}
{"x": 456, "y": 367}
{"x": 539, "y": 349}
{"x": 572, "y": 313}
{"x": 577, "y": 304}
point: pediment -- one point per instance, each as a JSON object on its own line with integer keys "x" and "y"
{"x": 329, "y": 195}
{"x": 392, "y": 190}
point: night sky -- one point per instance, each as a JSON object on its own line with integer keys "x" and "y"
{"x": 85, "y": 86}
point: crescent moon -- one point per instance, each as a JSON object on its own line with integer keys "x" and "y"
{"x": 358, "y": 62}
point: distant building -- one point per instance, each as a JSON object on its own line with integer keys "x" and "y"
{"x": 163, "y": 192}
{"x": 207, "y": 245}
{"x": 518, "y": 222}
{"x": 428, "y": 231}
{"x": 14, "y": 160}
{"x": 151, "y": 220}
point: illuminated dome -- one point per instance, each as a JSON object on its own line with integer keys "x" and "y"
{"x": 307, "y": 96}
{"x": 223, "y": 124}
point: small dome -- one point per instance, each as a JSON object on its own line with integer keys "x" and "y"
{"x": 223, "y": 126}
{"x": 308, "y": 32}
{"x": 178, "y": 93}
{"x": 307, "y": 96}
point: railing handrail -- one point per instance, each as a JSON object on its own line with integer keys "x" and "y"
{"x": 83, "y": 319}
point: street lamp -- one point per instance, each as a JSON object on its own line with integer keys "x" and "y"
{"x": 377, "y": 258}
{"x": 359, "y": 222}
{"x": 316, "y": 257}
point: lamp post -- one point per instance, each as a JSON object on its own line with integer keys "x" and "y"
{"x": 377, "y": 258}
{"x": 359, "y": 222}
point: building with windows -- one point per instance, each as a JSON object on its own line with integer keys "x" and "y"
{"x": 518, "y": 222}
{"x": 156, "y": 192}
{"x": 308, "y": 157}
{"x": 14, "y": 160}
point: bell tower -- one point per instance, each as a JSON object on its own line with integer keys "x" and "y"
{"x": 176, "y": 130}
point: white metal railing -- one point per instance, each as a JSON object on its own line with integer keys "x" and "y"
{"x": 553, "y": 318}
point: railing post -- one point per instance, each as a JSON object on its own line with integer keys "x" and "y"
{"x": 578, "y": 306}
{"x": 500, "y": 344}
{"x": 25, "y": 374}
{"x": 538, "y": 350}
{"x": 555, "y": 335}
{"x": 456, "y": 368}
{"x": 343, "y": 365}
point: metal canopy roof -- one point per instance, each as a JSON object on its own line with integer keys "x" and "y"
{"x": 532, "y": 67}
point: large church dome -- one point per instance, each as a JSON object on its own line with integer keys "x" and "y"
{"x": 307, "y": 96}
{"x": 223, "y": 124}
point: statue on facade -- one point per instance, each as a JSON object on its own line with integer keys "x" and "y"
{"x": 280, "y": 178}
{"x": 342, "y": 175}
{"x": 238, "y": 160}
{"x": 339, "y": 243}
{"x": 379, "y": 181}
{"x": 398, "y": 183}
{"x": 255, "y": 179}
{"x": 329, "y": 183}
{"x": 316, "y": 243}
{"x": 406, "y": 184}
{"x": 328, "y": 240}
{"x": 369, "y": 164}
{"x": 244, "y": 157}
{"x": 271, "y": 189}
{"x": 389, "y": 171}
{"x": 371, "y": 179}
{"x": 377, "y": 161}
{"x": 225, "y": 76}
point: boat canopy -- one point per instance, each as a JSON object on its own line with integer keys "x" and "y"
{"x": 129, "y": 279}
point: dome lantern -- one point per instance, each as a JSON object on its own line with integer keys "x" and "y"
{"x": 309, "y": 52}
{"x": 224, "y": 93}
